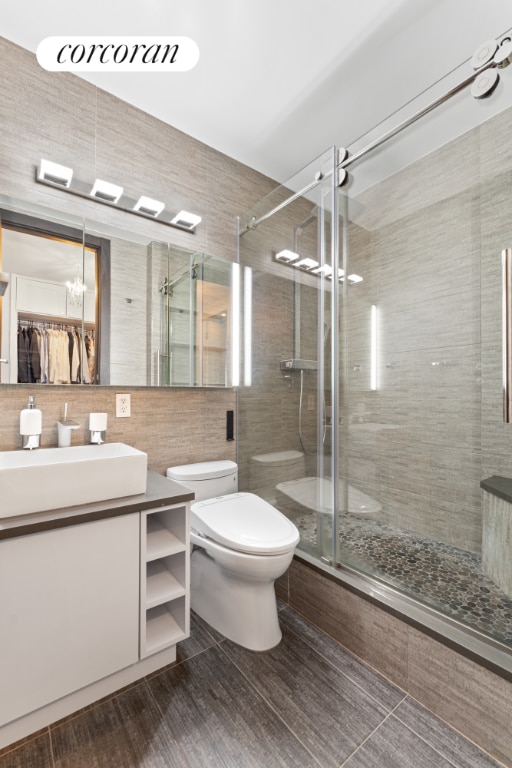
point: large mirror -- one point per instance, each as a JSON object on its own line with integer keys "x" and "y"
{"x": 85, "y": 305}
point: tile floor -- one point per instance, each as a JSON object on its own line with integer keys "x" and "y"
{"x": 307, "y": 702}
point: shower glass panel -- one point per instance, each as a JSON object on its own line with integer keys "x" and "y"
{"x": 285, "y": 447}
{"x": 384, "y": 400}
{"x": 195, "y": 300}
{"x": 428, "y": 218}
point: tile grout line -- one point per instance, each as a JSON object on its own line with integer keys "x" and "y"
{"x": 462, "y": 736}
{"x": 162, "y": 714}
{"x": 270, "y": 706}
{"x": 356, "y": 750}
{"x": 360, "y": 661}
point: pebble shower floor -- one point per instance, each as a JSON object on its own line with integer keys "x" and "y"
{"x": 443, "y": 577}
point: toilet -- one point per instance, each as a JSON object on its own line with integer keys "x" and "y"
{"x": 242, "y": 544}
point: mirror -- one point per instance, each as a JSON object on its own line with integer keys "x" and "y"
{"x": 89, "y": 305}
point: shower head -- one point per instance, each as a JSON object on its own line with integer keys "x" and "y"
{"x": 4, "y": 282}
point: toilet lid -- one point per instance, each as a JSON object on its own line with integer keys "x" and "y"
{"x": 246, "y": 523}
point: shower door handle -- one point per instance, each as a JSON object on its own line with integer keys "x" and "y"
{"x": 506, "y": 260}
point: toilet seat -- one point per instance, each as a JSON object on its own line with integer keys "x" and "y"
{"x": 244, "y": 522}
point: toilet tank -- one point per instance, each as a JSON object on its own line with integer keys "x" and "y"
{"x": 207, "y": 479}
{"x": 267, "y": 470}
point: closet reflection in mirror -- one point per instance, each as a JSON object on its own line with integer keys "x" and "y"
{"x": 136, "y": 312}
{"x": 49, "y": 324}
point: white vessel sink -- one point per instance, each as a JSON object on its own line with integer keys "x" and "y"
{"x": 52, "y": 478}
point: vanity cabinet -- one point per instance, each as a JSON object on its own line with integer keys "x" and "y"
{"x": 92, "y": 598}
{"x": 69, "y": 604}
{"x": 165, "y": 578}
{"x": 83, "y": 602}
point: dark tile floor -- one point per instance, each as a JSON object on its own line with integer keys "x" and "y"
{"x": 441, "y": 576}
{"x": 307, "y": 702}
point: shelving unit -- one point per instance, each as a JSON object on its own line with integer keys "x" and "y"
{"x": 165, "y": 601}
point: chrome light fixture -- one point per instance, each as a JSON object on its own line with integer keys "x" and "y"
{"x": 61, "y": 177}
{"x": 149, "y": 206}
{"x": 287, "y": 256}
{"x": 306, "y": 264}
{"x": 312, "y": 267}
{"x": 106, "y": 192}
{"x": 54, "y": 173}
{"x": 186, "y": 220}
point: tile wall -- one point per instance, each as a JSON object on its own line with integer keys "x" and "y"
{"x": 65, "y": 119}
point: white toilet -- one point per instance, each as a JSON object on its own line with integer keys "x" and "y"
{"x": 242, "y": 544}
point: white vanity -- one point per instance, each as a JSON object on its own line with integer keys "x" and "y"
{"x": 92, "y": 598}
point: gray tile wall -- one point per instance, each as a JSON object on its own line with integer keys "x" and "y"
{"x": 67, "y": 120}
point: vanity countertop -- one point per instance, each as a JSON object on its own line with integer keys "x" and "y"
{"x": 160, "y": 492}
{"x": 498, "y": 486}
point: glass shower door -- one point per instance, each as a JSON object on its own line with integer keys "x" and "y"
{"x": 285, "y": 447}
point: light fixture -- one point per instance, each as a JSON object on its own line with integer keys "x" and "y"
{"x": 186, "y": 220}
{"x": 287, "y": 256}
{"x": 312, "y": 267}
{"x": 235, "y": 324}
{"x": 325, "y": 270}
{"x": 106, "y": 191}
{"x": 76, "y": 289}
{"x": 61, "y": 177}
{"x": 54, "y": 173}
{"x": 247, "y": 326}
{"x": 373, "y": 348}
{"x": 306, "y": 264}
{"x": 149, "y": 206}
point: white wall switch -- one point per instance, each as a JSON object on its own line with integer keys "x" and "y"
{"x": 123, "y": 406}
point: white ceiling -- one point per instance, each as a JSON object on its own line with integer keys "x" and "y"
{"x": 278, "y": 81}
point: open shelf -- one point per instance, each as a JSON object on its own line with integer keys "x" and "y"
{"x": 161, "y": 541}
{"x": 161, "y": 585}
{"x": 162, "y": 629}
{"x": 165, "y": 559}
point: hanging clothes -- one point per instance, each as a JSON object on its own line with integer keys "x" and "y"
{"x": 54, "y": 354}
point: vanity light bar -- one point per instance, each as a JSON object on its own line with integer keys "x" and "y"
{"x": 311, "y": 266}
{"x": 61, "y": 177}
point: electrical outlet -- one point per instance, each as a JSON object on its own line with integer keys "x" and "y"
{"x": 123, "y": 406}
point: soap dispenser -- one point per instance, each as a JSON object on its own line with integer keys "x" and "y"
{"x": 31, "y": 424}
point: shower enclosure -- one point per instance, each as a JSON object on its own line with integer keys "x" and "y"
{"x": 375, "y": 405}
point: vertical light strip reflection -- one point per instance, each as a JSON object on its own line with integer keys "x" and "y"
{"x": 235, "y": 325}
{"x": 247, "y": 326}
{"x": 506, "y": 256}
{"x": 373, "y": 349}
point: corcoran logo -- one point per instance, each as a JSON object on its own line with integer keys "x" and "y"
{"x": 117, "y": 54}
